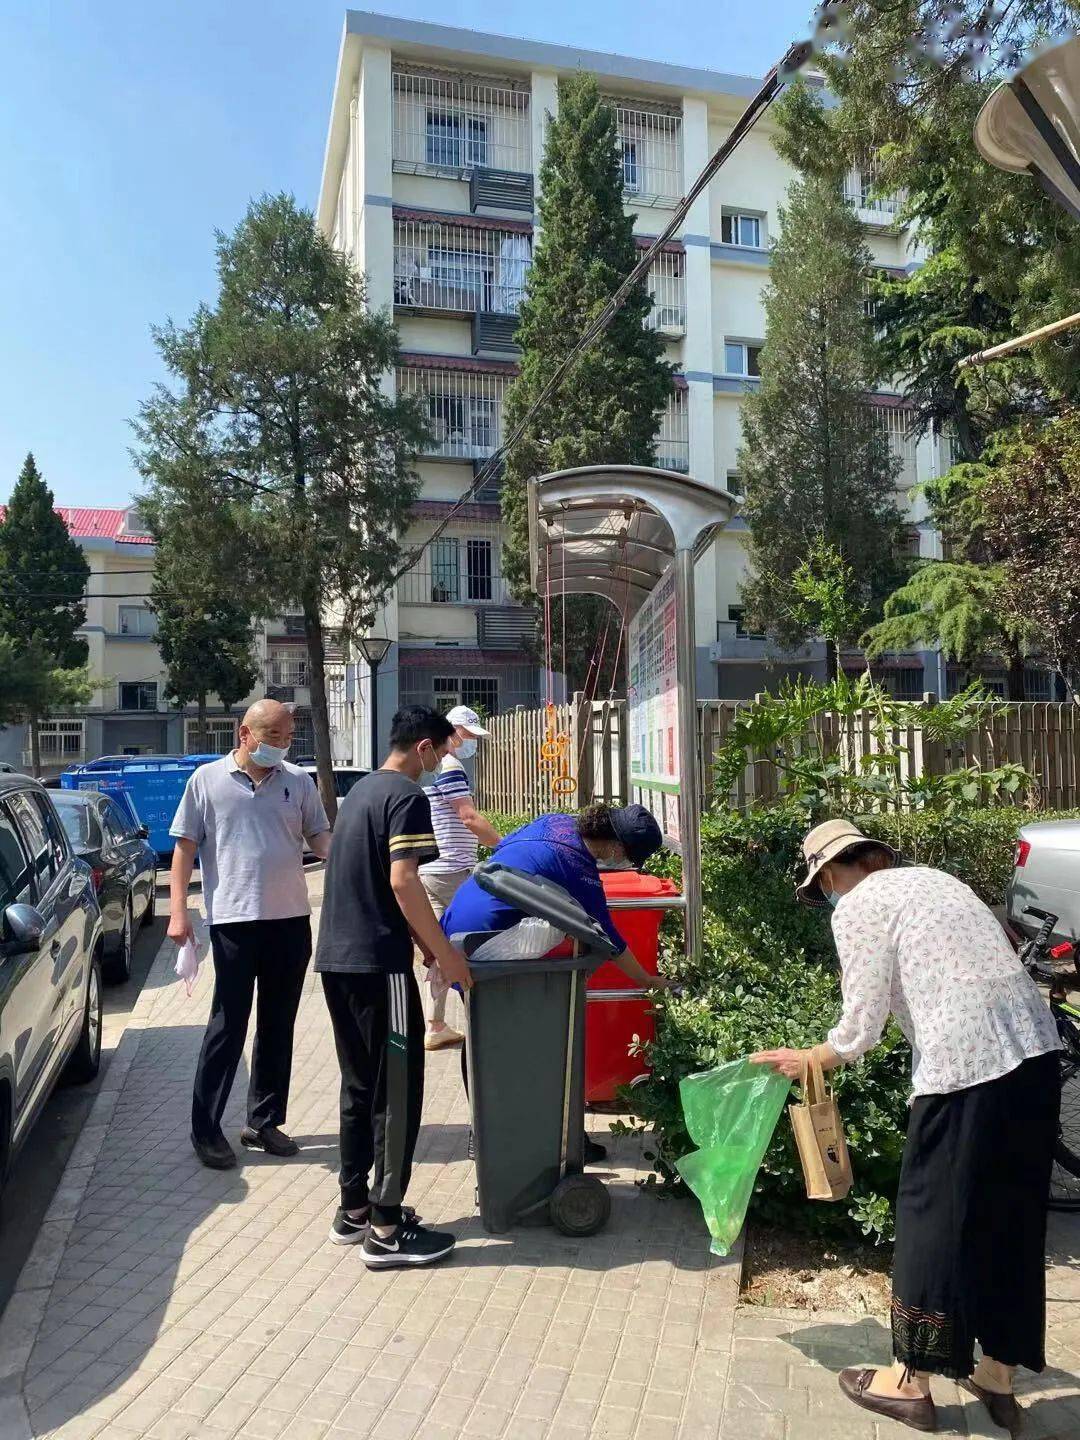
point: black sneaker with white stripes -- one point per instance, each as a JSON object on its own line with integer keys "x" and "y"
{"x": 351, "y": 1230}
{"x": 410, "y": 1244}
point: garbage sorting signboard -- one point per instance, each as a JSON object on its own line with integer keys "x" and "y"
{"x": 653, "y": 707}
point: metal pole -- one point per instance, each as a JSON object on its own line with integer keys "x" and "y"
{"x": 374, "y": 671}
{"x": 689, "y": 764}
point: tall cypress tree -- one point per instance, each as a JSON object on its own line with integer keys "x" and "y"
{"x": 815, "y": 460}
{"x": 43, "y": 575}
{"x": 608, "y": 409}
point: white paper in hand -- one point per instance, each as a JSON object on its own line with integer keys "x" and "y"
{"x": 187, "y": 964}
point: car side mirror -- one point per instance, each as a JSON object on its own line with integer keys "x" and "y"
{"x": 143, "y": 833}
{"x": 23, "y": 929}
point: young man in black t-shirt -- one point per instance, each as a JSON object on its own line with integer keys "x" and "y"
{"x": 374, "y": 906}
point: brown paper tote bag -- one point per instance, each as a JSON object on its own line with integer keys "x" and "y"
{"x": 819, "y": 1134}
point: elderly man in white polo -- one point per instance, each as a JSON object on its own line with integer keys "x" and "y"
{"x": 248, "y": 817}
{"x": 460, "y": 830}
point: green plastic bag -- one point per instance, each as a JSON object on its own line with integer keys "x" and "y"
{"x": 731, "y": 1113}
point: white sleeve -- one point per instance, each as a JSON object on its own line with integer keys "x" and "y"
{"x": 867, "y": 959}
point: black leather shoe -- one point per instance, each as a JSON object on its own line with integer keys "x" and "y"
{"x": 594, "y": 1152}
{"x": 215, "y": 1154}
{"x": 919, "y": 1414}
{"x": 270, "y": 1139}
{"x": 1004, "y": 1410}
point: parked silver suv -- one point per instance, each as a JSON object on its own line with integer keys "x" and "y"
{"x": 51, "y": 943}
{"x": 1046, "y": 878}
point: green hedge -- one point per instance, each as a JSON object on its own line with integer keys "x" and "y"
{"x": 768, "y": 976}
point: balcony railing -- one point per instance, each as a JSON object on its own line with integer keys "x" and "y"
{"x": 464, "y": 410}
{"x": 60, "y": 742}
{"x": 462, "y": 567}
{"x": 673, "y": 440}
{"x": 650, "y": 140}
{"x": 861, "y": 190}
{"x": 667, "y": 286}
{"x": 460, "y": 268}
{"x": 450, "y": 125}
{"x": 288, "y": 673}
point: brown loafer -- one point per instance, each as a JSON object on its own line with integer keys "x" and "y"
{"x": 919, "y": 1414}
{"x": 1004, "y": 1409}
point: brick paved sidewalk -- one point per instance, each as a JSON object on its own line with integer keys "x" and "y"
{"x": 165, "y": 1300}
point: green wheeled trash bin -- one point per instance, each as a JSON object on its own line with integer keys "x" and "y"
{"x": 526, "y": 1059}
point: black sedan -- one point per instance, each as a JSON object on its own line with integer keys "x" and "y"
{"x": 124, "y": 867}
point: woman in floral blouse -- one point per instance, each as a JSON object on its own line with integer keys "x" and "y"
{"x": 970, "y": 1255}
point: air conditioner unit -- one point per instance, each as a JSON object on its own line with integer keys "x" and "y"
{"x": 670, "y": 317}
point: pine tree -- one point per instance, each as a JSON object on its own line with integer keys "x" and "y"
{"x": 205, "y": 637}
{"x": 43, "y": 575}
{"x": 815, "y": 460}
{"x": 608, "y": 409}
{"x": 280, "y": 434}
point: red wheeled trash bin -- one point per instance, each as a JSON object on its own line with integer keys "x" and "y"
{"x": 615, "y": 1010}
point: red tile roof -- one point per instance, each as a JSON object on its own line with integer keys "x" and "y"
{"x": 86, "y": 524}
{"x": 472, "y": 510}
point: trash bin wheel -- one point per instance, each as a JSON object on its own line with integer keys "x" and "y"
{"x": 580, "y": 1205}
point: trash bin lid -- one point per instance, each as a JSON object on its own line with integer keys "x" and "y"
{"x": 542, "y": 898}
{"x": 630, "y": 885}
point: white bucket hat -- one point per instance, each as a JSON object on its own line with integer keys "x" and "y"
{"x": 826, "y": 842}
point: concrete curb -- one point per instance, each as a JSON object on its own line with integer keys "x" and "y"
{"x": 26, "y": 1309}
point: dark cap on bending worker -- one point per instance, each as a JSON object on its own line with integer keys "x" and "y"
{"x": 637, "y": 832}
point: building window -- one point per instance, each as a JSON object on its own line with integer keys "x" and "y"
{"x": 61, "y": 741}
{"x": 445, "y": 571}
{"x": 739, "y": 228}
{"x": 905, "y": 684}
{"x": 139, "y": 695}
{"x": 287, "y": 665}
{"x": 456, "y": 141}
{"x": 742, "y": 357}
{"x": 1038, "y": 683}
{"x": 220, "y": 736}
{"x": 735, "y": 483}
{"x": 137, "y": 620}
{"x": 911, "y": 544}
{"x": 673, "y": 440}
{"x": 630, "y": 167}
{"x": 736, "y": 614}
{"x": 478, "y": 569}
{"x": 479, "y": 692}
{"x": 464, "y": 410}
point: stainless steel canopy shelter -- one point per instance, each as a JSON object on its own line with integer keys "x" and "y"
{"x": 617, "y": 531}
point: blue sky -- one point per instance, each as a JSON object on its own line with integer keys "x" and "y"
{"x": 133, "y": 128}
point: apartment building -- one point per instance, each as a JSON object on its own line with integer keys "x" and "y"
{"x": 128, "y": 713}
{"x": 430, "y": 182}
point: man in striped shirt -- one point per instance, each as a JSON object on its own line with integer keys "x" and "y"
{"x": 459, "y": 831}
{"x": 374, "y": 907}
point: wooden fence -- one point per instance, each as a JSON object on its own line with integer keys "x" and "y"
{"x": 510, "y": 774}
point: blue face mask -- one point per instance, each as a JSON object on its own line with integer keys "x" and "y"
{"x": 466, "y": 749}
{"x": 268, "y": 756}
{"x": 832, "y": 896}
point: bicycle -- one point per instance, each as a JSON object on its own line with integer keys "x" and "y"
{"x": 1034, "y": 955}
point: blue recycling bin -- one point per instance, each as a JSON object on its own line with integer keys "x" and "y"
{"x": 147, "y": 787}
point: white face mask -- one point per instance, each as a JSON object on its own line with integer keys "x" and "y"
{"x": 466, "y": 749}
{"x": 429, "y": 769}
{"x": 268, "y": 756}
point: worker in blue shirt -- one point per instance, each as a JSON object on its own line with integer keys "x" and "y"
{"x": 568, "y": 850}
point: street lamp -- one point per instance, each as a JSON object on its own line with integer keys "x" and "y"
{"x": 374, "y": 650}
{"x": 1031, "y": 124}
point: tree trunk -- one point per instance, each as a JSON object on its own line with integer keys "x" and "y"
{"x": 832, "y": 660}
{"x": 1014, "y": 676}
{"x": 35, "y": 746}
{"x": 201, "y": 727}
{"x": 320, "y": 715}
